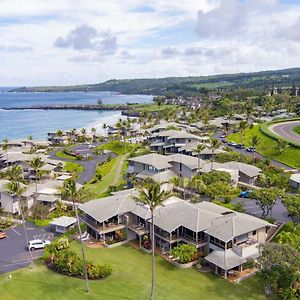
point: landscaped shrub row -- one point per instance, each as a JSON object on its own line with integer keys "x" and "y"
{"x": 59, "y": 257}
{"x": 265, "y": 130}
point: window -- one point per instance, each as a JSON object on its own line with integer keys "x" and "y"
{"x": 254, "y": 232}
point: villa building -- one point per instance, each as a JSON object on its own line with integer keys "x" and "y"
{"x": 226, "y": 239}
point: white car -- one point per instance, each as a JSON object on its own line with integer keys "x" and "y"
{"x": 37, "y": 244}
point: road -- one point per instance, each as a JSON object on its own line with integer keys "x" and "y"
{"x": 285, "y": 130}
{"x": 13, "y": 254}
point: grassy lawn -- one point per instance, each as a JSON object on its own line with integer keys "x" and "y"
{"x": 108, "y": 171}
{"x": 117, "y": 147}
{"x": 73, "y": 167}
{"x": 267, "y": 147}
{"x": 131, "y": 279}
{"x": 296, "y": 129}
{"x": 62, "y": 154}
{"x": 152, "y": 107}
{"x": 40, "y": 223}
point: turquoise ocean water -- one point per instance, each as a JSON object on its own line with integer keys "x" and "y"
{"x": 16, "y": 124}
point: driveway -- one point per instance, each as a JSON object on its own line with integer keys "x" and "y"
{"x": 279, "y": 211}
{"x": 88, "y": 165}
{"x": 13, "y": 254}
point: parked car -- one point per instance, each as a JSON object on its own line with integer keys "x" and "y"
{"x": 232, "y": 144}
{"x": 37, "y": 244}
{"x": 224, "y": 141}
{"x": 223, "y": 136}
{"x": 251, "y": 149}
{"x": 246, "y": 194}
{"x": 2, "y": 234}
{"x": 240, "y": 146}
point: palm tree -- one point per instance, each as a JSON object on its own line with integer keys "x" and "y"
{"x": 29, "y": 137}
{"x": 69, "y": 191}
{"x": 255, "y": 141}
{"x": 83, "y": 131}
{"x": 73, "y": 132}
{"x": 59, "y": 133}
{"x": 151, "y": 195}
{"x": 214, "y": 145}
{"x": 104, "y": 126}
{"x": 281, "y": 145}
{"x": 5, "y": 148}
{"x": 93, "y": 130}
{"x": 36, "y": 164}
{"x": 198, "y": 150}
{"x": 17, "y": 190}
{"x": 242, "y": 127}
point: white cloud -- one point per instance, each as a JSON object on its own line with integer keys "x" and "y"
{"x": 76, "y": 41}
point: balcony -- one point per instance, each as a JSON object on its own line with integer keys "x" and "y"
{"x": 247, "y": 249}
{"x": 139, "y": 229}
{"x": 106, "y": 228}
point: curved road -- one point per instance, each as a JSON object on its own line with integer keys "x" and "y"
{"x": 285, "y": 130}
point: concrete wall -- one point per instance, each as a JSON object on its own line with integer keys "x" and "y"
{"x": 185, "y": 171}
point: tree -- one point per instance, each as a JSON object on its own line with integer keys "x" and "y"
{"x": 255, "y": 141}
{"x": 280, "y": 267}
{"x": 214, "y": 145}
{"x": 292, "y": 204}
{"x": 266, "y": 198}
{"x": 198, "y": 150}
{"x": 59, "y": 133}
{"x": 17, "y": 189}
{"x": 36, "y": 164}
{"x": 281, "y": 145}
{"x": 69, "y": 191}
{"x": 83, "y": 131}
{"x": 151, "y": 195}
{"x": 5, "y": 148}
{"x": 93, "y": 130}
{"x": 104, "y": 126}
{"x": 242, "y": 127}
{"x": 185, "y": 252}
{"x": 29, "y": 137}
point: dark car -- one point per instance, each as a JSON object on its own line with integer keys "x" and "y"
{"x": 251, "y": 149}
{"x": 232, "y": 144}
{"x": 240, "y": 146}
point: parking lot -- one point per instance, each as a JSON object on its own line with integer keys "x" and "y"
{"x": 279, "y": 212}
{"x": 13, "y": 254}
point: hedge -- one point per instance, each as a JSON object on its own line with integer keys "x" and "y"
{"x": 264, "y": 128}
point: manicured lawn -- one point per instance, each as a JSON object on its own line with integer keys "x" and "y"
{"x": 267, "y": 147}
{"x": 62, "y": 154}
{"x": 296, "y": 129}
{"x": 117, "y": 147}
{"x": 40, "y": 223}
{"x": 108, "y": 171}
{"x": 73, "y": 167}
{"x": 130, "y": 280}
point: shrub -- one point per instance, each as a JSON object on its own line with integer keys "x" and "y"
{"x": 185, "y": 252}
{"x": 64, "y": 260}
{"x": 249, "y": 264}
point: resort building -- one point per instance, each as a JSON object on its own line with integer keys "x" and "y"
{"x": 226, "y": 239}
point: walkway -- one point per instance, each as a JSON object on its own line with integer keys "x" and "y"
{"x": 119, "y": 170}
{"x": 89, "y": 166}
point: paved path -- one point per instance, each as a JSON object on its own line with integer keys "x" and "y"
{"x": 89, "y": 166}
{"x": 118, "y": 172}
{"x": 285, "y": 130}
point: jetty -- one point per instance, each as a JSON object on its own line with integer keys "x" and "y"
{"x": 72, "y": 107}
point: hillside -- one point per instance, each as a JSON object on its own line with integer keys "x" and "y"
{"x": 179, "y": 85}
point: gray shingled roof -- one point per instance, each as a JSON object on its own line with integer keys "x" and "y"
{"x": 189, "y": 161}
{"x": 63, "y": 221}
{"x": 153, "y": 159}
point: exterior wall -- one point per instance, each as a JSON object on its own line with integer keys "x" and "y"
{"x": 140, "y": 167}
{"x": 185, "y": 171}
{"x": 246, "y": 179}
{"x": 261, "y": 235}
{"x": 9, "y": 204}
{"x": 294, "y": 184}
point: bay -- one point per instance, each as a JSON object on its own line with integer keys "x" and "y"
{"x": 18, "y": 124}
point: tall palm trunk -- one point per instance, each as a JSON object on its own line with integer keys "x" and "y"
{"x": 87, "y": 287}
{"x": 212, "y": 160}
{"x": 24, "y": 227}
{"x": 153, "y": 261}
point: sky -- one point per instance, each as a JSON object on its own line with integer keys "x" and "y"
{"x": 63, "y": 42}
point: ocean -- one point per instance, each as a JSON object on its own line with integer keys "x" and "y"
{"x": 18, "y": 124}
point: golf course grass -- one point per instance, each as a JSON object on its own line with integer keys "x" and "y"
{"x": 296, "y": 129}
{"x": 268, "y": 147}
{"x": 130, "y": 280}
